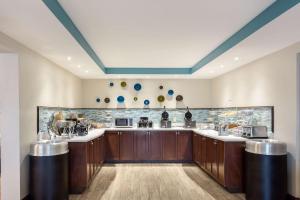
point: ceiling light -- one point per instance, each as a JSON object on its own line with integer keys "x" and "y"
{"x": 236, "y": 58}
{"x": 222, "y": 66}
{"x": 86, "y": 71}
{"x": 211, "y": 71}
{"x": 69, "y": 58}
{"x": 79, "y": 66}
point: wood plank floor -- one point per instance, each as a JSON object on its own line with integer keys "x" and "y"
{"x": 154, "y": 181}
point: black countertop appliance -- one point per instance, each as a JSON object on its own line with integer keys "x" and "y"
{"x": 144, "y": 122}
{"x": 188, "y": 122}
{"x": 165, "y": 122}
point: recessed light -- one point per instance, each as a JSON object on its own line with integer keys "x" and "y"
{"x": 236, "y": 58}
{"x": 211, "y": 71}
{"x": 79, "y": 66}
{"x": 222, "y": 66}
{"x": 69, "y": 58}
{"x": 86, "y": 71}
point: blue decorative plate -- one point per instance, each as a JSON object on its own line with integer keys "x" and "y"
{"x": 146, "y": 102}
{"x": 120, "y": 99}
{"x": 137, "y": 86}
{"x": 170, "y": 92}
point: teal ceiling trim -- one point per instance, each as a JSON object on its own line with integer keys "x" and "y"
{"x": 269, "y": 14}
{"x": 133, "y": 70}
{"x": 64, "y": 18}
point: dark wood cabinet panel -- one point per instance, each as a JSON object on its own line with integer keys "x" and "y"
{"x": 221, "y": 157}
{"x": 209, "y": 154}
{"x": 84, "y": 163}
{"x": 196, "y": 148}
{"x": 222, "y": 160}
{"x": 202, "y": 153}
{"x": 101, "y": 150}
{"x": 184, "y": 145}
{"x": 141, "y": 145}
{"x": 155, "y": 145}
{"x": 169, "y": 145}
{"x": 112, "y": 146}
{"x": 214, "y": 161}
{"x": 126, "y": 145}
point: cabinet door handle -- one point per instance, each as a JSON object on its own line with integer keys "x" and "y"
{"x": 120, "y": 133}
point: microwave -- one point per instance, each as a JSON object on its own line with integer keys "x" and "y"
{"x": 124, "y": 122}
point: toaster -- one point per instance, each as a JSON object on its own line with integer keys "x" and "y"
{"x": 252, "y": 132}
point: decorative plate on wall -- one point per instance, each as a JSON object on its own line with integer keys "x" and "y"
{"x": 123, "y": 84}
{"x": 111, "y": 84}
{"x": 120, "y": 99}
{"x": 135, "y": 98}
{"x": 179, "y": 98}
{"x": 107, "y": 100}
{"x": 160, "y": 98}
{"x": 170, "y": 92}
{"x": 161, "y": 87}
{"x": 98, "y": 100}
{"x": 137, "y": 86}
{"x": 146, "y": 102}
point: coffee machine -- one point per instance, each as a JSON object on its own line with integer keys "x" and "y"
{"x": 165, "y": 122}
{"x": 188, "y": 122}
{"x": 144, "y": 122}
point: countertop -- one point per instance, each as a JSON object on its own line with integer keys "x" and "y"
{"x": 94, "y": 133}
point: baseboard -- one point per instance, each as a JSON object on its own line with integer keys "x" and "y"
{"x": 291, "y": 197}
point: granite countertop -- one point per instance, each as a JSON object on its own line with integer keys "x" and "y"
{"x": 94, "y": 133}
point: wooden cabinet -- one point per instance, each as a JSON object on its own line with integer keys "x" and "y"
{"x": 126, "y": 145}
{"x": 148, "y": 146}
{"x": 112, "y": 146}
{"x": 184, "y": 145}
{"x": 169, "y": 139}
{"x": 155, "y": 146}
{"x": 222, "y": 160}
{"x": 141, "y": 145}
{"x": 202, "y": 153}
{"x": 85, "y": 160}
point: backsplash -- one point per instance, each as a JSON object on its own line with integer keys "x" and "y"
{"x": 247, "y": 115}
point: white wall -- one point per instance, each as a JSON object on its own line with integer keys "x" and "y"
{"x": 196, "y": 93}
{"x": 41, "y": 83}
{"x": 9, "y": 126}
{"x": 271, "y": 80}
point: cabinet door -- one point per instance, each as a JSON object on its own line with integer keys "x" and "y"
{"x": 91, "y": 159}
{"x": 96, "y": 154}
{"x": 101, "y": 150}
{"x": 202, "y": 140}
{"x": 169, "y": 145}
{"x": 221, "y": 156}
{"x": 141, "y": 145}
{"x": 155, "y": 145}
{"x": 214, "y": 158}
{"x": 195, "y": 147}
{"x": 126, "y": 145}
{"x": 184, "y": 145}
{"x": 209, "y": 154}
{"x": 112, "y": 146}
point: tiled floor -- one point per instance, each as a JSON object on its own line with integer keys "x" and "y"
{"x": 154, "y": 181}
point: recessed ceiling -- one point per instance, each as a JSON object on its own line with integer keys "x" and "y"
{"x": 139, "y": 33}
{"x": 159, "y": 33}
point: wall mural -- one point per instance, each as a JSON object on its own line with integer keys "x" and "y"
{"x": 138, "y": 87}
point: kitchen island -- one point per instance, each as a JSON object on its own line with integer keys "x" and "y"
{"x": 219, "y": 156}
